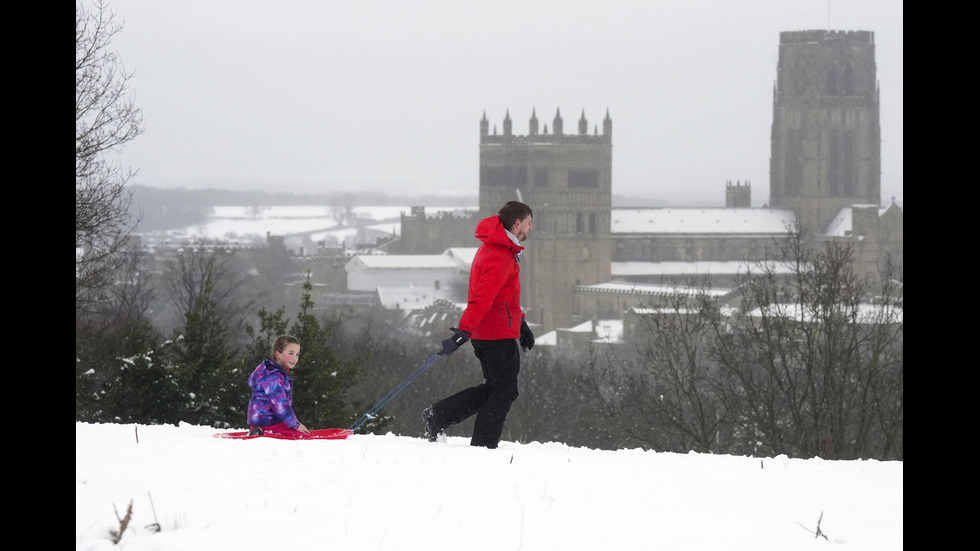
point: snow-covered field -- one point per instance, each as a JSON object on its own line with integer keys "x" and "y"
{"x": 298, "y": 224}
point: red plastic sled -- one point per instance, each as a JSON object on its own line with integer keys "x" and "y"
{"x": 320, "y": 434}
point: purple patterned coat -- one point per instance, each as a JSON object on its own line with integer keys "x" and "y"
{"x": 272, "y": 396}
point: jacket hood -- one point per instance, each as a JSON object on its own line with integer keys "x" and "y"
{"x": 491, "y": 231}
{"x": 264, "y": 370}
{"x": 271, "y": 365}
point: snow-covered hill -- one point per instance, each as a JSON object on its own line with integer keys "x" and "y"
{"x": 190, "y": 491}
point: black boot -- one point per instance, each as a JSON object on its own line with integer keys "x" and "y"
{"x": 432, "y": 428}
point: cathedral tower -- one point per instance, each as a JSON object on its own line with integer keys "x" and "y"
{"x": 738, "y": 196}
{"x": 826, "y": 135}
{"x": 567, "y": 181}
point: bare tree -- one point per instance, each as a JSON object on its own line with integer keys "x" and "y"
{"x": 106, "y": 118}
{"x": 664, "y": 395}
{"x": 207, "y": 267}
{"x": 132, "y": 295}
{"x": 558, "y": 403}
{"x": 811, "y": 366}
{"x": 808, "y": 362}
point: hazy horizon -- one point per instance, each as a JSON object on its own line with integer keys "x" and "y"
{"x": 369, "y": 197}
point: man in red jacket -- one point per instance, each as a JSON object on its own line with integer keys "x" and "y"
{"x": 494, "y": 322}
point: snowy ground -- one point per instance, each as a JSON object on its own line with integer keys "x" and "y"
{"x": 399, "y": 492}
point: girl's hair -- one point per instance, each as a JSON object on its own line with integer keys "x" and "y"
{"x": 281, "y": 343}
{"x": 513, "y": 211}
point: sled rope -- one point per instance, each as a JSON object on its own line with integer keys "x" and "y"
{"x": 394, "y": 392}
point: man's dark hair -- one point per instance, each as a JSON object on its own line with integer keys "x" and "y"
{"x": 512, "y": 212}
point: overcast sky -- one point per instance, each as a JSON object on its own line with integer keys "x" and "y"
{"x": 323, "y": 95}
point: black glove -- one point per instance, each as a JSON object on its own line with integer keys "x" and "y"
{"x": 452, "y": 343}
{"x": 527, "y": 337}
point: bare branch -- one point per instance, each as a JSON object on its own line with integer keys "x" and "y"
{"x": 106, "y": 118}
{"x": 123, "y": 522}
{"x": 818, "y": 533}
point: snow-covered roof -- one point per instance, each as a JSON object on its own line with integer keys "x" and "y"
{"x": 626, "y": 287}
{"x": 403, "y": 261}
{"x": 702, "y": 221}
{"x": 842, "y": 225}
{"x": 548, "y": 339}
{"x": 410, "y": 297}
{"x": 463, "y": 255}
{"x": 866, "y": 313}
{"x": 725, "y": 310}
{"x": 456, "y": 257}
{"x": 702, "y": 268}
{"x": 605, "y": 330}
{"x": 584, "y": 327}
{"x": 346, "y": 299}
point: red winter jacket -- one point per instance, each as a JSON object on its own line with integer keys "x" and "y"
{"x": 493, "y": 308}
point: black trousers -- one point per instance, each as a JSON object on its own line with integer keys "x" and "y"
{"x": 490, "y": 401}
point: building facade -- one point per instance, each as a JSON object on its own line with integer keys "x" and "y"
{"x": 422, "y": 233}
{"x": 567, "y": 180}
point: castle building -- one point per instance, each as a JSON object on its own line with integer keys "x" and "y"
{"x": 422, "y": 233}
{"x": 567, "y": 181}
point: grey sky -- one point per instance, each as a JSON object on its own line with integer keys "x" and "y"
{"x": 322, "y": 95}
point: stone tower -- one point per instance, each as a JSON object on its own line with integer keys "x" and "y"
{"x": 737, "y": 195}
{"x": 567, "y": 181}
{"x": 826, "y": 135}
